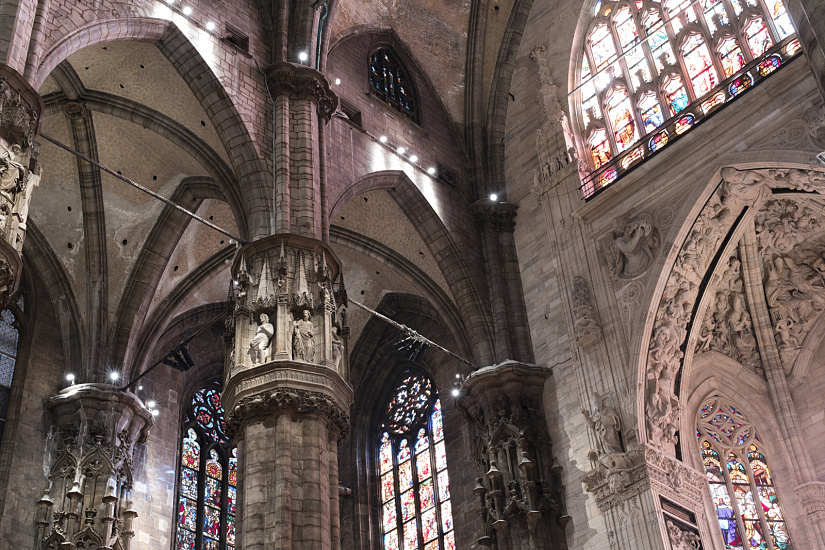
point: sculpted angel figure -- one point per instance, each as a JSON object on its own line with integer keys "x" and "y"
{"x": 259, "y": 347}
{"x": 633, "y": 245}
{"x": 607, "y": 424}
{"x": 303, "y": 347}
{"x": 337, "y": 347}
{"x": 10, "y": 169}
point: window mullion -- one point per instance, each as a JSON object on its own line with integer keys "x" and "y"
{"x": 757, "y": 500}
{"x": 734, "y": 501}
{"x": 416, "y": 494}
{"x": 769, "y": 20}
{"x": 399, "y": 517}
{"x": 201, "y": 504}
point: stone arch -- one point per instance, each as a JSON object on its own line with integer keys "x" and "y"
{"x": 442, "y": 246}
{"x": 732, "y": 191}
{"x": 211, "y": 94}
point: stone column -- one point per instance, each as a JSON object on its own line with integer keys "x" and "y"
{"x": 518, "y": 489}
{"x": 21, "y": 108}
{"x": 89, "y": 459}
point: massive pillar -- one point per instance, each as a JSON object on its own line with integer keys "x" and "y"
{"x": 87, "y": 503}
{"x": 518, "y": 489}
{"x": 285, "y": 389}
{"x": 20, "y": 111}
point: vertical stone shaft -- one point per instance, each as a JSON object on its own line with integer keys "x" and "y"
{"x": 334, "y": 518}
{"x": 304, "y": 157}
{"x": 282, "y": 216}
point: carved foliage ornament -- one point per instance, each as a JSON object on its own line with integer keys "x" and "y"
{"x": 736, "y": 190}
{"x": 586, "y": 327}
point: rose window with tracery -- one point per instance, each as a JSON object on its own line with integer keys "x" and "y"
{"x": 652, "y": 69}
{"x": 416, "y": 511}
{"x": 208, "y": 477}
{"x": 740, "y": 481}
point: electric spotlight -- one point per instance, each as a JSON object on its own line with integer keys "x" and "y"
{"x": 493, "y": 197}
{"x": 400, "y": 150}
{"x": 383, "y": 139}
{"x": 140, "y": 388}
{"x": 413, "y": 158}
{"x": 155, "y": 412}
{"x": 210, "y": 26}
{"x": 431, "y": 170}
{"x": 151, "y": 404}
{"x": 70, "y": 377}
{"x": 455, "y": 392}
{"x": 187, "y": 10}
{"x": 302, "y": 56}
{"x": 457, "y": 375}
{"x": 337, "y": 81}
{"x": 114, "y": 375}
{"x": 170, "y": 1}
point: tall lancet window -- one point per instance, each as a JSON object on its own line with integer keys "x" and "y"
{"x": 8, "y": 359}
{"x": 416, "y": 513}
{"x": 390, "y": 82}
{"x": 740, "y": 481}
{"x": 650, "y": 70}
{"x": 207, "y": 487}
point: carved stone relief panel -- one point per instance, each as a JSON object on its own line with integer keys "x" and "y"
{"x": 586, "y": 327}
{"x": 728, "y": 325}
{"x": 629, "y": 250}
{"x": 806, "y": 132}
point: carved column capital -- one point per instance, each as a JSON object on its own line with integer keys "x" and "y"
{"x": 498, "y": 216}
{"x": 812, "y": 497}
{"x": 75, "y": 109}
{"x": 303, "y": 82}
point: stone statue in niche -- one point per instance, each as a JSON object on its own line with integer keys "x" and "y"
{"x": 259, "y": 347}
{"x": 607, "y": 424}
{"x": 337, "y": 348}
{"x": 631, "y": 247}
{"x": 11, "y": 171}
{"x": 303, "y": 347}
{"x": 682, "y": 540}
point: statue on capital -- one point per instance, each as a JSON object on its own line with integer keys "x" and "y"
{"x": 259, "y": 347}
{"x": 303, "y": 347}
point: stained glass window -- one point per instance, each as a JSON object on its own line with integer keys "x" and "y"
{"x": 389, "y": 82}
{"x": 740, "y": 482}
{"x": 414, "y": 486}
{"x": 208, "y": 477}
{"x": 667, "y": 55}
{"x": 8, "y": 359}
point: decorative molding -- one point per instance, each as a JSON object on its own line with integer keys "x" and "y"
{"x": 300, "y": 81}
{"x": 498, "y": 216}
{"x": 302, "y": 402}
{"x": 812, "y": 497}
{"x": 682, "y": 539}
{"x": 587, "y": 329}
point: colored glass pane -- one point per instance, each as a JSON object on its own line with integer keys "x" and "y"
{"x": 651, "y": 112}
{"x": 719, "y": 494}
{"x": 699, "y": 65}
{"x": 731, "y": 56}
{"x": 410, "y": 535}
{"x": 440, "y": 457}
{"x": 391, "y": 540}
{"x": 625, "y": 28}
{"x": 684, "y": 124}
{"x": 426, "y": 495}
{"x": 600, "y": 148}
{"x": 213, "y": 466}
{"x": 187, "y": 513}
{"x": 769, "y": 65}
{"x": 429, "y": 525}
{"x": 389, "y": 82}
{"x": 407, "y": 505}
{"x": 637, "y": 67}
{"x": 737, "y": 7}
{"x": 634, "y": 156}
{"x": 438, "y": 425}
{"x": 740, "y": 84}
{"x": 389, "y": 515}
{"x": 781, "y": 19}
{"x": 405, "y": 476}
{"x": 233, "y": 468}
{"x": 422, "y": 464}
{"x": 676, "y": 95}
{"x": 432, "y": 545}
{"x": 189, "y": 483}
{"x": 210, "y": 544}
{"x": 449, "y": 541}
{"x": 207, "y": 410}
{"x": 714, "y": 101}
{"x": 421, "y": 442}
{"x": 387, "y": 487}
{"x": 446, "y": 516}
{"x": 211, "y": 523}
{"x": 385, "y": 454}
{"x": 409, "y": 404}
{"x": 758, "y": 37}
{"x": 601, "y": 46}
{"x": 608, "y": 177}
{"x": 191, "y": 450}
{"x": 185, "y": 540}
{"x": 403, "y": 451}
{"x": 443, "y": 486}
{"x": 658, "y": 141}
{"x": 230, "y": 530}
{"x": 621, "y": 117}
{"x": 793, "y": 47}
{"x": 231, "y": 500}
{"x": 212, "y": 494}
{"x": 712, "y": 9}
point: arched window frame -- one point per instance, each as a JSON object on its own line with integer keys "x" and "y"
{"x": 738, "y": 438}
{"x": 414, "y": 113}
{"x": 687, "y": 19}
{"x": 438, "y": 475}
{"x": 227, "y": 458}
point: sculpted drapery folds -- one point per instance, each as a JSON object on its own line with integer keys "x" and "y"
{"x": 793, "y": 291}
{"x": 303, "y": 348}
{"x": 631, "y": 247}
{"x": 260, "y": 346}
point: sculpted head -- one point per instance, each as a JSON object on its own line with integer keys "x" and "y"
{"x": 264, "y": 318}
{"x": 307, "y": 315}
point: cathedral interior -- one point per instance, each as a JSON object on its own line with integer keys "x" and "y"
{"x": 412, "y": 275}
